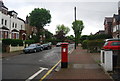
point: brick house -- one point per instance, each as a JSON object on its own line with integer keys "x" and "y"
{"x": 116, "y": 23}
{"x": 30, "y": 30}
{"x": 116, "y": 26}
{"x": 108, "y": 25}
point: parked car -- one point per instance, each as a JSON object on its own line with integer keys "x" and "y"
{"x": 58, "y": 44}
{"x": 47, "y": 45}
{"x": 113, "y": 44}
{"x": 33, "y": 48}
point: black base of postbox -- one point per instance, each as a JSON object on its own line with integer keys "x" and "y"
{"x": 64, "y": 64}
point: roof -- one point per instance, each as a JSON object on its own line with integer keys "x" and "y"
{"x": 10, "y": 12}
{"x": 117, "y": 17}
{"x": 2, "y": 5}
{"x": 15, "y": 30}
{"x": 3, "y": 27}
{"x": 21, "y": 19}
{"x": 113, "y": 39}
{"x": 108, "y": 19}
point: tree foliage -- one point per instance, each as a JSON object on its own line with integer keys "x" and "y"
{"x": 40, "y": 17}
{"x": 63, "y": 28}
{"x": 77, "y": 27}
{"x": 60, "y": 36}
{"x": 71, "y": 37}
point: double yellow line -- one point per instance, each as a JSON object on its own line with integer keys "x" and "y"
{"x": 49, "y": 71}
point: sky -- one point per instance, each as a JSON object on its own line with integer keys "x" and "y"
{"x": 91, "y": 12}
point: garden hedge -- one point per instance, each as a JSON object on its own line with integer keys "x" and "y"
{"x": 12, "y": 42}
{"x": 29, "y": 42}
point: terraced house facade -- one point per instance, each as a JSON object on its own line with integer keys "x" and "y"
{"x": 11, "y": 26}
{"x": 112, "y": 24}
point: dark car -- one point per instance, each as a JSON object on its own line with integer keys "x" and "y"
{"x": 113, "y": 44}
{"x": 47, "y": 45}
{"x": 33, "y": 48}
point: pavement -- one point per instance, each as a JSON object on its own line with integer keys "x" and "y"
{"x": 4, "y": 55}
{"x": 82, "y": 66}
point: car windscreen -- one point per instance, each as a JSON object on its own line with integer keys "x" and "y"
{"x": 105, "y": 43}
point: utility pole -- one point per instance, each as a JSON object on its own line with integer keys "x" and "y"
{"x": 75, "y": 27}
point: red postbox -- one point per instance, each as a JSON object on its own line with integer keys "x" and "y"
{"x": 64, "y": 55}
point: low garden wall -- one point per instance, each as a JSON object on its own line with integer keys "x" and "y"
{"x": 11, "y": 45}
{"x": 15, "y": 48}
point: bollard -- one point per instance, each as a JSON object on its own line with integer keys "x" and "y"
{"x": 64, "y": 55}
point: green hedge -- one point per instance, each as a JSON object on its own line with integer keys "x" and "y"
{"x": 93, "y": 45}
{"x": 101, "y": 36}
{"x": 29, "y": 42}
{"x": 12, "y": 42}
{"x": 6, "y": 41}
{"x": 84, "y": 44}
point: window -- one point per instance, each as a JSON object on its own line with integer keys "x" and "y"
{"x": 5, "y": 22}
{"x": 115, "y": 44}
{"x": 106, "y": 43}
{"x": 13, "y": 25}
{"x": 17, "y": 36}
{"x": 0, "y": 34}
{"x": 21, "y": 27}
{"x": 2, "y": 21}
{"x": 16, "y": 25}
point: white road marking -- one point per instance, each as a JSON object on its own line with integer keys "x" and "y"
{"x": 33, "y": 76}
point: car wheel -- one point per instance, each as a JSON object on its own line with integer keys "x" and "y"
{"x": 40, "y": 49}
{"x": 35, "y": 50}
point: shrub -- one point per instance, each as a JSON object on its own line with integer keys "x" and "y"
{"x": 29, "y": 42}
{"x": 84, "y": 44}
{"x": 13, "y": 42}
{"x": 95, "y": 45}
{"x": 101, "y": 36}
{"x": 6, "y": 41}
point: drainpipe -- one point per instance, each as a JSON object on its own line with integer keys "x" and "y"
{"x": 10, "y": 29}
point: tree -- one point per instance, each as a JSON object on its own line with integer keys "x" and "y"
{"x": 63, "y": 28}
{"x": 61, "y": 31}
{"x": 77, "y": 27}
{"x": 60, "y": 36}
{"x": 48, "y": 36}
{"x": 39, "y": 18}
{"x": 71, "y": 37}
{"x": 83, "y": 37}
